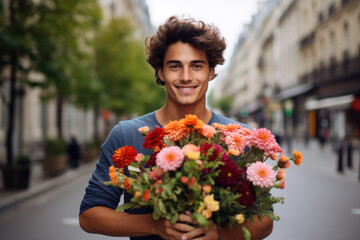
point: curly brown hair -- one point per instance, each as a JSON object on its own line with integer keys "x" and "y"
{"x": 202, "y": 36}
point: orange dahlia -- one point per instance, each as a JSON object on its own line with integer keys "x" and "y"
{"x": 176, "y": 130}
{"x": 112, "y": 174}
{"x": 127, "y": 183}
{"x": 124, "y": 156}
{"x": 218, "y": 126}
{"x": 146, "y": 195}
{"x": 192, "y": 121}
{"x": 298, "y": 157}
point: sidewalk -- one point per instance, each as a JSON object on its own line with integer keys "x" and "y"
{"x": 325, "y": 160}
{"x": 39, "y": 184}
{"x": 320, "y": 160}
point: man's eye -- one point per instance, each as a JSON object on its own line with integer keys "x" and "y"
{"x": 174, "y": 66}
{"x": 197, "y": 66}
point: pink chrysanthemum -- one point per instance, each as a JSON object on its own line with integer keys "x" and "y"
{"x": 274, "y": 151}
{"x": 156, "y": 174}
{"x": 261, "y": 174}
{"x": 190, "y": 147}
{"x": 231, "y": 127}
{"x": 263, "y": 140}
{"x": 170, "y": 158}
{"x": 235, "y": 140}
{"x": 207, "y": 131}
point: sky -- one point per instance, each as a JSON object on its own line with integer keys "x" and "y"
{"x": 228, "y": 15}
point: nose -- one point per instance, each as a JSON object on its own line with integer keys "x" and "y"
{"x": 186, "y": 74}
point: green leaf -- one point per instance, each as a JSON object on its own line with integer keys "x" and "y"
{"x": 174, "y": 218}
{"x": 168, "y": 142}
{"x": 247, "y": 234}
{"x": 161, "y": 206}
{"x": 128, "y": 205}
{"x": 134, "y": 174}
{"x": 156, "y": 215}
{"x": 200, "y": 219}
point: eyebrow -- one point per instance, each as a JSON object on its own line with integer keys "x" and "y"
{"x": 177, "y": 61}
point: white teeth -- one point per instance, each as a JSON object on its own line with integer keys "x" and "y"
{"x": 185, "y": 89}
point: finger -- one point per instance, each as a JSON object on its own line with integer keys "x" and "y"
{"x": 197, "y": 233}
{"x": 168, "y": 231}
{"x": 183, "y": 227}
{"x": 209, "y": 233}
{"x": 171, "y": 233}
{"x": 185, "y": 218}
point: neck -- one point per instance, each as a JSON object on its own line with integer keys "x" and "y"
{"x": 169, "y": 113}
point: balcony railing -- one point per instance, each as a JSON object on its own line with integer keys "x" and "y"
{"x": 305, "y": 41}
{"x": 309, "y": 77}
{"x": 321, "y": 17}
{"x": 335, "y": 71}
{"x": 344, "y": 2}
{"x": 332, "y": 9}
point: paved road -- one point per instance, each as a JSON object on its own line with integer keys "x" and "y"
{"x": 319, "y": 203}
{"x": 52, "y": 215}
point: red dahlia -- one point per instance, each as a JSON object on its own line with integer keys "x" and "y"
{"x": 205, "y": 147}
{"x": 248, "y": 196}
{"x": 152, "y": 161}
{"x": 124, "y": 156}
{"x": 229, "y": 175}
{"x": 154, "y": 138}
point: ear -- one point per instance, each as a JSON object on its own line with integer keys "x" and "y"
{"x": 160, "y": 74}
{"x": 211, "y": 74}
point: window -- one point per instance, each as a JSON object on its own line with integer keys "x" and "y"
{"x": 332, "y": 44}
{"x": 332, "y": 7}
{"x": 346, "y": 37}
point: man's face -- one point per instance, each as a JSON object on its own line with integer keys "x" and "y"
{"x": 186, "y": 74}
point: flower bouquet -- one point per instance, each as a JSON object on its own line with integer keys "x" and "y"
{"x": 217, "y": 172}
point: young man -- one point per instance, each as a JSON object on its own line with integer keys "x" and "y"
{"x": 184, "y": 54}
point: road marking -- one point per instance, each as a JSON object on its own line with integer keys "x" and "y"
{"x": 70, "y": 221}
{"x": 355, "y": 211}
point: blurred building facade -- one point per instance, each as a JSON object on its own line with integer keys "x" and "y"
{"x": 36, "y": 119}
{"x": 296, "y": 69}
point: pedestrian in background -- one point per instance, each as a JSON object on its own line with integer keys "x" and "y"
{"x": 73, "y": 152}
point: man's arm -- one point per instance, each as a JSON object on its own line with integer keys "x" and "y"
{"x": 259, "y": 229}
{"x": 106, "y": 221}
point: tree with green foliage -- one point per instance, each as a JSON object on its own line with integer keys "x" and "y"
{"x": 49, "y": 37}
{"x": 225, "y": 103}
{"x": 127, "y": 80}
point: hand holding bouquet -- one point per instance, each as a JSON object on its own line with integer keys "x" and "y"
{"x": 217, "y": 172}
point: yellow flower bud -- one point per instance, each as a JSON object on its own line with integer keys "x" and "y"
{"x": 207, "y": 213}
{"x": 240, "y": 218}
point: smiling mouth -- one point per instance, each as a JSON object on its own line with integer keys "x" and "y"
{"x": 186, "y": 88}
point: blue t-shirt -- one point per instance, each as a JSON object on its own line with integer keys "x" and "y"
{"x": 125, "y": 133}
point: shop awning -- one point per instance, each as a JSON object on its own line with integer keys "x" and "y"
{"x": 295, "y": 91}
{"x": 335, "y": 102}
{"x": 254, "y": 106}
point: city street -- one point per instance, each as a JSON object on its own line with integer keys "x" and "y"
{"x": 53, "y": 215}
{"x": 319, "y": 204}
{"x": 81, "y": 77}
